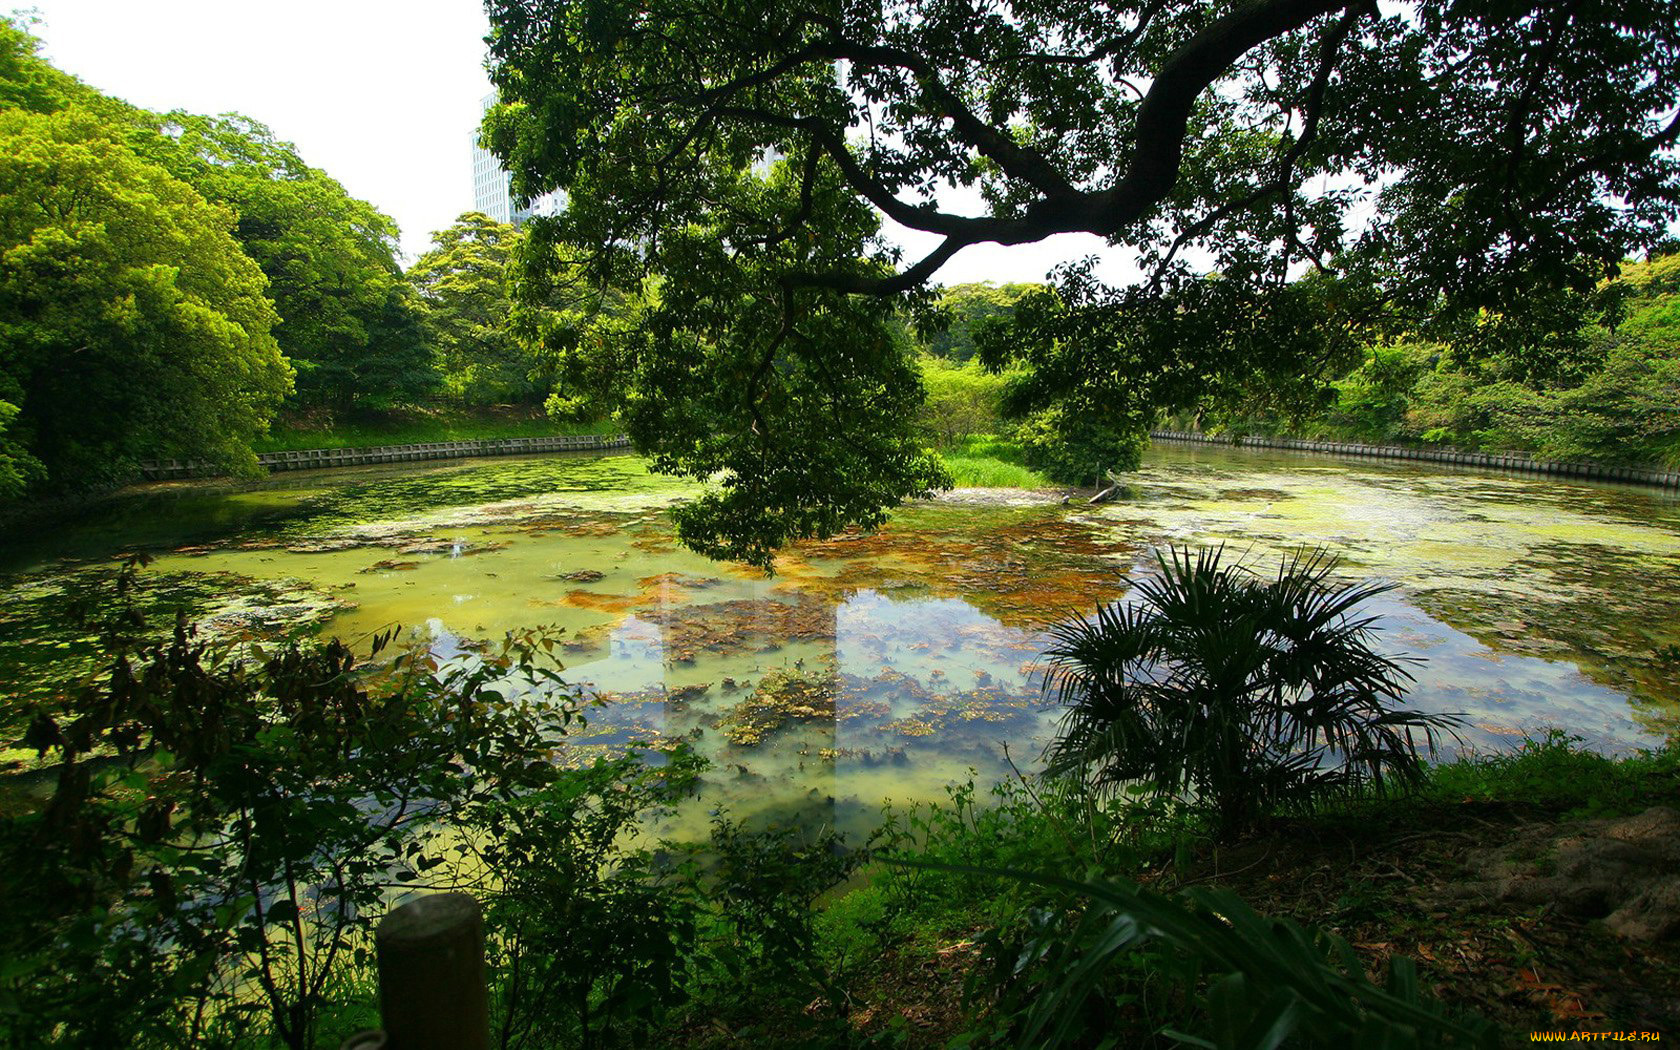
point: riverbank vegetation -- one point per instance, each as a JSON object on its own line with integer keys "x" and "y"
{"x": 186, "y": 286}
{"x": 416, "y": 424}
{"x": 204, "y": 867}
{"x": 1615, "y": 398}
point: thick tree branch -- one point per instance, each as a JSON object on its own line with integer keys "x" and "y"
{"x": 1016, "y": 160}
{"x": 1164, "y": 115}
{"x": 1149, "y": 175}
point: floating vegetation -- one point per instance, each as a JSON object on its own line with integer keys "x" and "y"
{"x": 1027, "y": 567}
{"x": 581, "y": 576}
{"x": 51, "y": 626}
{"x": 891, "y": 661}
{"x": 745, "y": 625}
{"x": 391, "y": 565}
{"x": 781, "y": 697}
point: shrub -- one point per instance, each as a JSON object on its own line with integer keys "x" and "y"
{"x": 1078, "y": 450}
{"x": 590, "y": 933}
{"x": 1240, "y": 695}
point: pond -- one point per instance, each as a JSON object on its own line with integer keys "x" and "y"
{"x": 888, "y": 665}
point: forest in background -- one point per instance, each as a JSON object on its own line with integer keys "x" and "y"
{"x": 1616, "y": 398}
{"x": 173, "y": 283}
{"x": 246, "y": 301}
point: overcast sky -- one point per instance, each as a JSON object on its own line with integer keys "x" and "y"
{"x": 382, "y": 94}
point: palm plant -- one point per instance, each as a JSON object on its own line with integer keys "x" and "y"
{"x": 1241, "y": 695}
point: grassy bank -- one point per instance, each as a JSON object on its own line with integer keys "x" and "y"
{"x": 419, "y": 425}
{"x": 1455, "y": 878}
{"x": 986, "y": 461}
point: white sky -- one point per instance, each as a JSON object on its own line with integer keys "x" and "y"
{"x": 381, "y": 94}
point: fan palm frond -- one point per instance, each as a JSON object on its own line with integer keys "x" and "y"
{"x": 1240, "y": 694}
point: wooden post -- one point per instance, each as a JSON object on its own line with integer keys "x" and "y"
{"x": 431, "y": 975}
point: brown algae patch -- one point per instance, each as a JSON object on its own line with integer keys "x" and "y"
{"x": 782, "y": 698}
{"x": 745, "y": 625}
{"x": 1024, "y": 567}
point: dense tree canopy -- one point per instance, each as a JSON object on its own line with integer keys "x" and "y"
{"x": 1474, "y": 168}
{"x": 963, "y": 309}
{"x": 1617, "y": 401}
{"x": 349, "y": 322}
{"x": 465, "y": 283}
{"x": 126, "y": 330}
{"x": 131, "y": 324}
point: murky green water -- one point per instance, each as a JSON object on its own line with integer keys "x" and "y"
{"x": 886, "y": 665}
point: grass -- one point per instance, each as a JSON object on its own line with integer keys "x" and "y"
{"x": 1553, "y": 774}
{"x": 1389, "y": 875}
{"x": 987, "y": 461}
{"x": 419, "y": 425}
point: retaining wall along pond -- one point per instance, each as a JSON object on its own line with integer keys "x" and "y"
{"x": 314, "y": 458}
{"x": 1490, "y": 460}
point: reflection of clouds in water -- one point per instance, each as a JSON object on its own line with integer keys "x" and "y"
{"x": 936, "y": 677}
{"x": 945, "y": 644}
{"x": 1500, "y": 694}
{"x": 635, "y": 664}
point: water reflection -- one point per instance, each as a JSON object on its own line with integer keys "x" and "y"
{"x": 809, "y": 708}
{"x": 888, "y": 665}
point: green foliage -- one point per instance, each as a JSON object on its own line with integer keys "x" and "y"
{"x": 962, "y": 309}
{"x": 1098, "y": 366}
{"x": 592, "y": 935}
{"x": 1612, "y": 397}
{"x": 1078, "y": 450}
{"x": 349, "y": 322}
{"x": 1554, "y": 772}
{"x": 1036, "y": 822}
{"x": 17, "y": 467}
{"x": 988, "y": 473}
{"x": 133, "y": 324}
{"x": 131, "y": 332}
{"x": 760, "y": 946}
{"x": 417, "y": 425}
{"x": 28, "y": 82}
{"x": 798, "y": 403}
{"x": 1372, "y": 401}
{"x": 227, "y": 825}
{"x": 1238, "y": 695}
{"x": 990, "y": 461}
{"x": 464, "y": 281}
{"x": 961, "y": 400}
{"x": 580, "y": 336}
{"x": 1233, "y": 979}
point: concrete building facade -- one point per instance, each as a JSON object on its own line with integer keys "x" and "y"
{"x": 492, "y": 194}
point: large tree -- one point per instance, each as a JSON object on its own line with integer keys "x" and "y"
{"x": 1474, "y": 166}
{"x": 349, "y": 322}
{"x": 465, "y": 284}
{"x": 131, "y": 324}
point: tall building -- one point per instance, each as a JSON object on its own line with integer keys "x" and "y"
{"x": 492, "y": 194}
{"x": 490, "y": 183}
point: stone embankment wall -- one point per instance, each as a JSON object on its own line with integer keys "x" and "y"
{"x": 315, "y": 458}
{"x": 1489, "y": 460}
